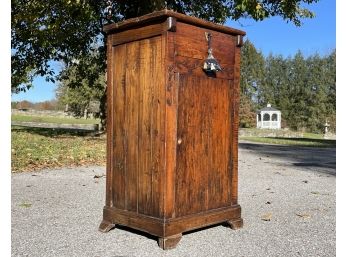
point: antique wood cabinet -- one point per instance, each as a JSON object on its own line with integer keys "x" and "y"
{"x": 172, "y": 131}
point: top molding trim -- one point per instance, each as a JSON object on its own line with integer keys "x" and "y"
{"x": 163, "y": 14}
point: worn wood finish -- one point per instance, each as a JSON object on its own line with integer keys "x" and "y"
{"x": 172, "y": 163}
{"x": 235, "y": 112}
{"x": 169, "y": 242}
{"x": 204, "y": 125}
{"x": 143, "y": 32}
{"x": 169, "y": 227}
{"x": 236, "y": 224}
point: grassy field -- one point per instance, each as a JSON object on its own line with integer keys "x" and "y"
{"x": 48, "y": 119}
{"x": 37, "y": 148}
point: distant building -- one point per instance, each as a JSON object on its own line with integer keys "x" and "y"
{"x": 268, "y": 118}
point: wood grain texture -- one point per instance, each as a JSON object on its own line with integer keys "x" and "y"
{"x": 139, "y": 126}
{"x": 170, "y": 227}
{"x": 171, "y": 112}
{"x": 109, "y": 201}
{"x": 119, "y": 147}
{"x": 148, "y": 31}
{"x": 132, "y": 124}
{"x": 170, "y": 242}
{"x": 203, "y": 178}
{"x": 235, "y": 111}
{"x": 198, "y": 220}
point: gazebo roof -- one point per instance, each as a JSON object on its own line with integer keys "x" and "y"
{"x": 267, "y": 109}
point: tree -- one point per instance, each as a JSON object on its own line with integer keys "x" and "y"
{"x": 329, "y": 78}
{"x": 25, "y": 105}
{"x": 252, "y": 73}
{"x": 79, "y": 88}
{"x": 67, "y": 30}
{"x": 317, "y": 101}
{"x": 247, "y": 114}
{"x": 276, "y": 87}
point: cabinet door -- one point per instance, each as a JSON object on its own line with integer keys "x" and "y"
{"x": 204, "y": 150}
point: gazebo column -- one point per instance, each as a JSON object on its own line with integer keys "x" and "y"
{"x": 279, "y": 120}
{"x": 261, "y": 120}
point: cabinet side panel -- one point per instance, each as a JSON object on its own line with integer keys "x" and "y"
{"x": 138, "y": 139}
{"x": 118, "y": 112}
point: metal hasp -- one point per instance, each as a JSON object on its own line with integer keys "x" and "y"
{"x": 210, "y": 64}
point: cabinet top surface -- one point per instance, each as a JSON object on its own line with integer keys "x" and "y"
{"x": 163, "y": 14}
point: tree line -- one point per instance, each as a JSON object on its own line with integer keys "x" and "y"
{"x": 51, "y": 105}
{"x": 302, "y": 88}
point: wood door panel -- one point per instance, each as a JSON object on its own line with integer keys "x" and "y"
{"x": 203, "y": 176}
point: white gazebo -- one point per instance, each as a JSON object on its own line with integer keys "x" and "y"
{"x": 268, "y": 118}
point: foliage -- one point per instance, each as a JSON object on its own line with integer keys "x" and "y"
{"x": 37, "y": 148}
{"x": 42, "y": 31}
{"x": 252, "y": 71}
{"x": 246, "y": 113}
{"x": 79, "y": 87}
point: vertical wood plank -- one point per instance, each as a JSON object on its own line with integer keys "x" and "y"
{"x": 157, "y": 129}
{"x": 118, "y": 142}
{"x": 203, "y": 177}
{"x": 236, "y": 89}
{"x": 109, "y": 126}
{"x": 192, "y": 151}
{"x": 218, "y": 186}
{"x": 151, "y": 127}
{"x": 131, "y": 123}
{"x": 145, "y": 110}
{"x": 171, "y": 107}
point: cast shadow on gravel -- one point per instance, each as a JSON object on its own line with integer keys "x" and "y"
{"x": 155, "y": 238}
{"x": 315, "y": 159}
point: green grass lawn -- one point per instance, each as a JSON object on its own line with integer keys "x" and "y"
{"x": 308, "y": 140}
{"x": 38, "y": 148}
{"x": 50, "y": 119}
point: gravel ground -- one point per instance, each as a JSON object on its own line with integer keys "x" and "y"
{"x": 57, "y": 212}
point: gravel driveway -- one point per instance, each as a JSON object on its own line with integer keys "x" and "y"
{"x": 57, "y": 212}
